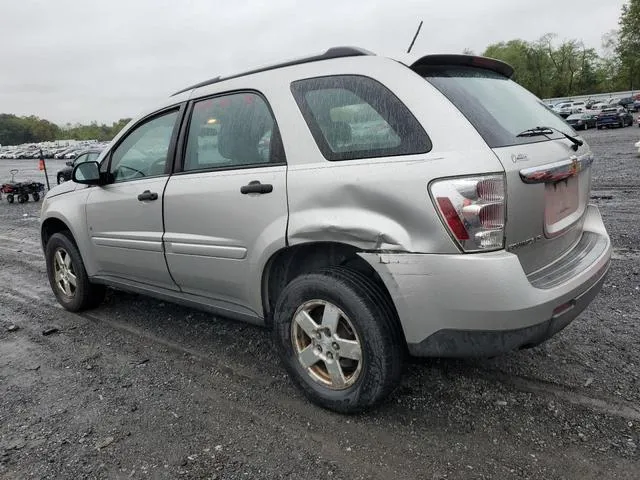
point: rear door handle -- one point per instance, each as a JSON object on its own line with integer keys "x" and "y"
{"x": 147, "y": 195}
{"x": 256, "y": 187}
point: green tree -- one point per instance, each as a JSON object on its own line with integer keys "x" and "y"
{"x": 628, "y": 46}
{"x": 17, "y": 130}
{"x": 549, "y": 69}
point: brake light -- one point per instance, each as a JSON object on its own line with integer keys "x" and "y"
{"x": 451, "y": 217}
{"x": 473, "y": 209}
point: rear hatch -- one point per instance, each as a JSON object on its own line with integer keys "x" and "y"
{"x": 548, "y": 177}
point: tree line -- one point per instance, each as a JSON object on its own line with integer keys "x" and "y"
{"x": 553, "y": 69}
{"x": 18, "y": 130}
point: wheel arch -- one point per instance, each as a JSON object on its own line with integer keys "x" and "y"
{"x": 51, "y": 226}
{"x": 290, "y": 262}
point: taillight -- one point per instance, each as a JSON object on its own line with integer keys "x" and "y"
{"x": 473, "y": 209}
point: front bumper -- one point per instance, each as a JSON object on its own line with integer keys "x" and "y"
{"x": 484, "y": 304}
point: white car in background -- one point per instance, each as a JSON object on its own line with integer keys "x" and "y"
{"x": 579, "y": 107}
{"x": 564, "y": 109}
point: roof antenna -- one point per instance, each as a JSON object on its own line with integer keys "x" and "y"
{"x": 414, "y": 37}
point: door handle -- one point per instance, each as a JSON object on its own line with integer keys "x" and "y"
{"x": 256, "y": 187}
{"x": 147, "y": 195}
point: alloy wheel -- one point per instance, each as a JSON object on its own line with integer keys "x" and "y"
{"x": 64, "y": 273}
{"x": 326, "y": 344}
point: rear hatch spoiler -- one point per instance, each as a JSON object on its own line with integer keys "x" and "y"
{"x": 418, "y": 63}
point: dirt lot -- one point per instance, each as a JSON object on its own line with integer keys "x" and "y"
{"x": 143, "y": 389}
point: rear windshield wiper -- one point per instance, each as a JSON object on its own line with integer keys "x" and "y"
{"x": 535, "y": 131}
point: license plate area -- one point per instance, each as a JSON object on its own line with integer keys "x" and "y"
{"x": 562, "y": 200}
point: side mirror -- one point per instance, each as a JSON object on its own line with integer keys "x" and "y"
{"x": 69, "y": 164}
{"x": 87, "y": 173}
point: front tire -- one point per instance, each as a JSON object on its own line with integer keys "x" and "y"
{"x": 338, "y": 337}
{"x": 61, "y": 179}
{"x": 68, "y": 277}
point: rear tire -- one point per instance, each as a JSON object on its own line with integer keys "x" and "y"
{"x": 36, "y": 197}
{"x": 10, "y": 198}
{"x": 22, "y": 198}
{"x": 60, "y": 179}
{"x": 337, "y": 374}
{"x": 64, "y": 268}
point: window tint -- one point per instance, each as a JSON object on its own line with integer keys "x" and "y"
{"x": 144, "y": 151}
{"x": 497, "y": 107}
{"x": 230, "y": 131}
{"x": 80, "y": 159}
{"x": 353, "y": 117}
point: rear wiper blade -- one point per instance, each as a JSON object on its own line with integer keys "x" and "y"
{"x": 532, "y": 132}
{"x": 535, "y": 131}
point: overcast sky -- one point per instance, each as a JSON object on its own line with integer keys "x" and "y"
{"x": 83, "y": 60}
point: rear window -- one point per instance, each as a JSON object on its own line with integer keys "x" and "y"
{"x": 496, "y": 106}
{"x": 352, "y": 116}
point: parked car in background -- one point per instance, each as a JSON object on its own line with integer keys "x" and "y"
{"x": 627, "y": 103}
{"x": 592, "y": 103}
{"x": 64, "y": 174}
{"x": 373, "y": 225}
{"x": 582, "y": 121}
{"x": 614, "y": 117}
{"x": 578, "y": 107}
{"x": 564, "y": 109}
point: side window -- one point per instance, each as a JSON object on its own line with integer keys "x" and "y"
{"x": 79, "y": 159}
{"x": 235, "y": 130}
{"x": 352, "y": 117}
{"x": 144, "y": 151}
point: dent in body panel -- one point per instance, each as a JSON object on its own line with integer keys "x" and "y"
{"x": 360, "y": 211}
{"x": 342, "y": 230}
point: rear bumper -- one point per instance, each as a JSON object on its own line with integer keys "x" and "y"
{"x": 608, "y": 121}
{"x": 485, "y": 304}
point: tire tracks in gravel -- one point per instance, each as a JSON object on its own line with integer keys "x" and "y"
{"x": 606, "y": 405}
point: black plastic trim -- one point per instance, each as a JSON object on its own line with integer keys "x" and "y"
{"x": 335, "y": 52}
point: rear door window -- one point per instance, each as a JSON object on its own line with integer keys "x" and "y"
{"x": 353, "y": 117}
{"x": 497, "y": 106}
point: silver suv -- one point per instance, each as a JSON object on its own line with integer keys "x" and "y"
{"x": 362, "y": 207}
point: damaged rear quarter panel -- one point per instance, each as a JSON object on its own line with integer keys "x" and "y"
{"x": 378, "y": 204}
{"x": 375, "y": 204}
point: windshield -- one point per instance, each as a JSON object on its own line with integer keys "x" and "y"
{"x": 497, "y": 107}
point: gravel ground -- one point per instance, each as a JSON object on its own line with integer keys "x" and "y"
{"x": 143, "y": 389}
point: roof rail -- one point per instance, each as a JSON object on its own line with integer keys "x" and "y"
{"x": 335, "y": 52}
